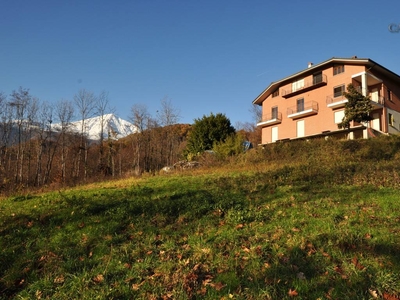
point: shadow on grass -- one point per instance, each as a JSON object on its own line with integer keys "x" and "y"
{"x": 23, "y": 236}
{"x": 320, "y": 275}
{"x": 24, "y": 250}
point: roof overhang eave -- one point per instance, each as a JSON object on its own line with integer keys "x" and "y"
{"x": 334, "y": 60}
{"x": 273, "y": 85}
{"x": 265, "y": 93}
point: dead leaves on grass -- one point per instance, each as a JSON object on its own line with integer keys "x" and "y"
{"x": 357, "y": 264}
{"x": 59, "y": 279}
{"x": 98, "y": 278}
{"x": 239, "y": 226}
{"x": 136, "y": 286}
{"x": 197, "y": 280}
{"x": 293, "y": 293}
{"x": 387, "y": 296}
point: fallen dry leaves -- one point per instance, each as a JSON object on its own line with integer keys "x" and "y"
{"x": 239, "y": 226}
{"x": 388, "y": 296}
{"x": 98, "y": 278}
{"x": 293, "y": 293}
{"x": 136, "y": 286}
{"x": 60, "y": 279}
{"x": 373, "y": 293}
{"x": 357, "y": 264}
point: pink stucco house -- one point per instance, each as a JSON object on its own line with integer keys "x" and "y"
{"x": 310, "y": 103}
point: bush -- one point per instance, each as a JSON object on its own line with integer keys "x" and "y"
{"x": 233, "y": 145}
{"x": 207, "y": 131}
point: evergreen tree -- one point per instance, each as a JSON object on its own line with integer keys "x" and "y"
{"x": 207, "y": 131}
{"x": 357, "y": 108}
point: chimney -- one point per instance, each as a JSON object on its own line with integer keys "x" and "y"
{"x": 310, "y": 64}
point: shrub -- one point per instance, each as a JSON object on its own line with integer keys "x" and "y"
{"x": 232, "y": 145}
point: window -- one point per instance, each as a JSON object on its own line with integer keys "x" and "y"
{"x": 337, "y": 69}
{"x": 317, "y": 78}
{"x": 375, "y": 95}
{"x": 297, "y": 85}
{"x": 339, "y": 115}
{"x": 274, "y": 112}
{"x": 300, "y": 105}
{"x": 338, "y": 91}
{"x": 389, "y": 94}
{"x": 391, "y": 120}
{"x": 275, "y": 93}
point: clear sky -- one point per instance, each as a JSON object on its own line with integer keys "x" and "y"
{"x": 205, "y": 56}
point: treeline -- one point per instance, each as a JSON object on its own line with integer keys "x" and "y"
{"x": 34, "y": 153}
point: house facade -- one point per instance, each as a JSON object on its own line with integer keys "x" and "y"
{"x": 310, "y": 103}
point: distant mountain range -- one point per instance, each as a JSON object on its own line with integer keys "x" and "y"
{"x": 113, "y": 127}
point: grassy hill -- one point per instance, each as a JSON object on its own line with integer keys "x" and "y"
{"x": 303, "y": 220}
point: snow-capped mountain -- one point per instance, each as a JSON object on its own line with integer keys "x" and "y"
{"x": 113, "y": 127}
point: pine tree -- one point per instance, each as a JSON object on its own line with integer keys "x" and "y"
{"x": 358, "y": 107}
{"x": 207, "y": 131}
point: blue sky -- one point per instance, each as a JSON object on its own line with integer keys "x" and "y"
{"x": 205, "y": 56}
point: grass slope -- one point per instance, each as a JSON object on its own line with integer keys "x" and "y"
{"x": 302, "y": 230}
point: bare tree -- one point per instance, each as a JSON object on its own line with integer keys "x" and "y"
{"x": 64, "y": 113}
{"x": 51, "y": 139}
{"x": 5, "y": 133}
{"x": 152, "y": 145}
{"x": 85, "y": 102}
{"x": 42, "y": 140}
{"x": 139, "y": 116}
{"x": 140, "y": 119}
{"x": 24, "y": 107}
{"x": 102, "y": 109}
{"x": 256, "y": 112}
{"x": 249, "y": 131}
{"x": 112, "y": 151}
{"x": 168, "y": 115}
{"x": 30, "y": 129}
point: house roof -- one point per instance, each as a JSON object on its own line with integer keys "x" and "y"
{"x": 334, "y": 60}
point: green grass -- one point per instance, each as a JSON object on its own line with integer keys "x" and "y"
{"x": 301, "y": 230}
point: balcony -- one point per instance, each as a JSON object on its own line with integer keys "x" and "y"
{"x": 298, "y": 111}
{"x": 270, "y": 119}
{"x": 309, "y": 84}
{"x": 339, "y": 100}
{"x": 377, "y": 101}
{"x": 335, "y": 101}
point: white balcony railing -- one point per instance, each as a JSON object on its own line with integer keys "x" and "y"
{"x": 308, "y": 108}
{"x": 309, "y": 84}
{"x": 270, "y": 119}
{"x": 336, "y": 102}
